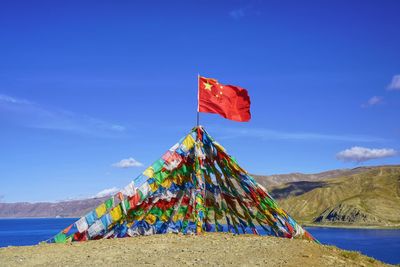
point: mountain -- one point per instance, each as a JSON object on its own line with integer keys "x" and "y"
{"x": 72, "y": 208}
{"x": 278, "y": 179}
{"x": 363, "y": 196}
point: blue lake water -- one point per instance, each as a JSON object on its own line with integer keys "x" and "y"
{"x": 380, "y": 244}
{"x": 383, "y": 245}
{"x": 23, "y": 232}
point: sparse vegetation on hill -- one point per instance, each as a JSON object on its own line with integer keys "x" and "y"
{"x": 365, "y": 197}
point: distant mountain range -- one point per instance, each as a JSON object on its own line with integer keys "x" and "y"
{"x": 279, "y": 179}
{"x": 364, "y": 196}
{"x": 71, "y": 208}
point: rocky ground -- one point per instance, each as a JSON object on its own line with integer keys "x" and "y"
{"x": 216, "y": 249}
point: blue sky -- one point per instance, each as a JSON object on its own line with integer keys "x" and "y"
{"x": 86, "y": 84}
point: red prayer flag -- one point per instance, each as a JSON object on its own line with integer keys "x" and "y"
{"x": 80, "y": 236}
{"x": 134, "y": 200}
{"x": 231, "y": 102}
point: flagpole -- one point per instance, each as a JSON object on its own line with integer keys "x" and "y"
{"x": 198, "y": 95}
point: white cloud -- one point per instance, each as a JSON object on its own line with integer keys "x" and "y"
{"x": 395, "y": 83}
{"x": 361, "y": 154}
{"x": 127, "y": 163}
{"x": 373, "y": 101}
{"x": 106, "y": 192}
{"x": 29, "y": 114}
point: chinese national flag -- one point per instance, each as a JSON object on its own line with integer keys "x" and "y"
{"x": 231, "y": 102}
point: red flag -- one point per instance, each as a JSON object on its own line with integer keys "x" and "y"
{"x": 231, "y": 102}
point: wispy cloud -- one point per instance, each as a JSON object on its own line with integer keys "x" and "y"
{"x": 127, "y": 163}
{"x": 33, "y": 115}
{"x": 360, "y": 154}
{"x": 395, "y": 83}
{"x": 373, "y": 101}
{"x": 106, "y": 192}
{"x": 268, "y": 134}
{"x": 244, "y": 11}
{"x": 12, "y": 100}
{"x": 237, "y": 13}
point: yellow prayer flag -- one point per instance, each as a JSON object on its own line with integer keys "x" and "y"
{"x": 149, "y": 172}
{"x": 101, "y": 210}
{"x": 219, "y": 147}
{"x": 164, "y": 217}
{"x": 178, "y": 179}
{"x": 150, "y": 218}
{"x": 177, "y": 217}
{"x": 281, "y": 212}
{"x": 153, "y": 187}
{"x": 116, "y": 213}
{"x": 166, "y": 183}
{"x": 236, "y": 167}
{"x": 188, "y": 142}
{"x": 199, "y": 201}
{"x": 139, "y": 217}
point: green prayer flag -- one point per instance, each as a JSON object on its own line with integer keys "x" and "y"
{"x": 160, "y": 176}
{"x": 270, "y": 202}
{"x": 182, "y": 210}
{"x": 157, "y": 166}
{"x": 109, "y": 203}
{"x": 138, "y": 212}
{"x": 260, "y": 216}
{"x": 127, "y": 204}
{"x": 60, "y": 238}
{"x": 156, "y": 211}
{"x": 168, "y": 212}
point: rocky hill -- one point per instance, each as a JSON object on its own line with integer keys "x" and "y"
{"x": 365, "y": 198}
{"x": 278, "y": 179}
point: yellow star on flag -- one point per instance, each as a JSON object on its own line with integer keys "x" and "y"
{"x": 207, "y": 86}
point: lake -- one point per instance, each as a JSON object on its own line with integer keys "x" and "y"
{"x": 383, "y": 245}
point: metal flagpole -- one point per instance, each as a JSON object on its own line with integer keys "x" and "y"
{"x": 198, "y": 95}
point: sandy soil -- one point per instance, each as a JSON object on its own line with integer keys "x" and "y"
{"x": 176, "y": 250}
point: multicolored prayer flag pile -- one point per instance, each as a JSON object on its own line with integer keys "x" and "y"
{"x": 195, "y": 186}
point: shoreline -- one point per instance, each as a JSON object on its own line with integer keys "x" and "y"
{"x": 305, "y": 224}
{"x": 349, "y": 226}
{"x": 23, "y": 218}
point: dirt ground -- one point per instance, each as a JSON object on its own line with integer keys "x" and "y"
{"x": 213, "y": 249}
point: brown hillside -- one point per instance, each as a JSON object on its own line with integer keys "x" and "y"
{"x": 367, "y": 198}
